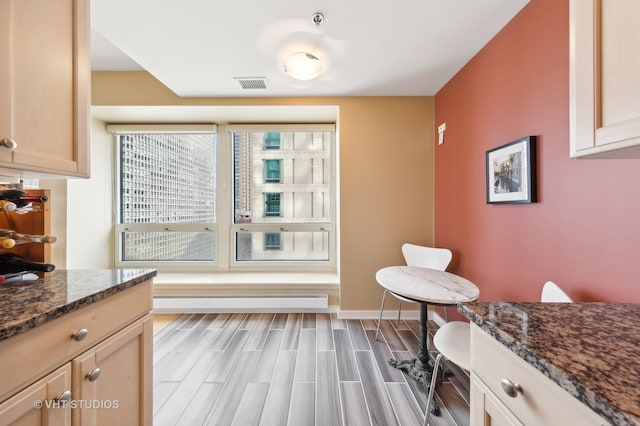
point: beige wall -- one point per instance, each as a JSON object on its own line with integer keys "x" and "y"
{"x": 385, "y": 165}
{"x": 82, "y": 209}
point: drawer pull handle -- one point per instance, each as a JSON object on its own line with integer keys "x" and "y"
{"x": 93, "y": 375}
{"x": 8, "y": 143}
{"x": 80, "y": 334}
{"x": 510, "y": 388}
{"x": 63, "y": 397}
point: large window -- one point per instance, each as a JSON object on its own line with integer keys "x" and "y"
{"x": 247, "y": 198}
{"x": 284, "y": 184}
{"x": 167, "y": 196}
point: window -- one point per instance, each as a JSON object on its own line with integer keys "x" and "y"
{"x": 272, "y": 204}
{"x": 271, "y": 140}
{"x": 272, "y": 240}
{"x": 167, "y": 196}
{"x": 249, "y": 198}
{"x": 300, "y": 208}
{"x": 272, "y": 171}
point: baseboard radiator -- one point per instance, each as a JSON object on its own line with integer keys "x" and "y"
{"x": 241, "y": 303}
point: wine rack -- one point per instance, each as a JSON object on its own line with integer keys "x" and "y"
{"x": 35, "y": 222}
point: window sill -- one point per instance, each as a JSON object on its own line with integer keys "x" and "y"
{"x": 263, "y": 280}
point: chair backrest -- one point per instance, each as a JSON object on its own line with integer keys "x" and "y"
{"x": 426, "y": 257}
{"x": 552, "y": 293}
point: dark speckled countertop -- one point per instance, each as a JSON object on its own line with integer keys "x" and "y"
{"x": 592, "y": 350}
{"x": 28, "y": 304}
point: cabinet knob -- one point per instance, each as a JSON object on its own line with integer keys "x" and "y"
{"x": 63, "y": 397}
{"x": 93, "y": 375}
{"x": 510, "y": 388}
{"x": 80, "y": 334}
{"x": 8, "y": 143}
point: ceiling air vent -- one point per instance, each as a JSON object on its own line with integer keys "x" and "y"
{"x": 252, "y": 82}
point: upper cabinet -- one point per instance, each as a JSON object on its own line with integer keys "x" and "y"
{"x": 605, "y": 78}
{"x": 45, "y": 86}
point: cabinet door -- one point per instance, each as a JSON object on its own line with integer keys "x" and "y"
{"x": 120, "y": 393}
{"x": 604, "y": 84}
{"x": 49, "y": 85}
{"x": 6, "y": 130}
{"x": 41, "y": 403}
{"x": 486, "y": 409}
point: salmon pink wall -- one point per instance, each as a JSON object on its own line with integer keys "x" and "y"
{"x": 584, "y": 231}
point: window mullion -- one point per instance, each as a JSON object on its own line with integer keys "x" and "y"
{"x": 225, "y": 199}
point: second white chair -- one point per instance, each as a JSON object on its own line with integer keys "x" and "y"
{"x": 414, "y": 255}
{"x": 453, "y": 341}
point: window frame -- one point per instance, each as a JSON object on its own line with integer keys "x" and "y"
{"x": 120, "y": 228}
{"x": 225, "y": 229}
{"x": 330, "y": 227}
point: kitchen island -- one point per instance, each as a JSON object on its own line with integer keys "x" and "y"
{"x": 77, "y": 338}
{"x": 589, "y": 350}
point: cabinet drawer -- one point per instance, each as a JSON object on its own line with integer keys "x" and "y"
{"x": 541, "y": 402}
{"x": 32, "y": 354}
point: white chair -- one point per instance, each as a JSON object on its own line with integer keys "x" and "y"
{"x": 453, "y": 341}
{"x": 552, "y": 293}
{"x": 414, "y": 255}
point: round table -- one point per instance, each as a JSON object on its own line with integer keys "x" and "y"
{"x": 427, "y": 287}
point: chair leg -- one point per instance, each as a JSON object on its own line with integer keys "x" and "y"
{"x": 399, "y": 309}
{"x": 384, "y": 295}
{"x": 446, "y": 317}
{"x": 432, "y": 389}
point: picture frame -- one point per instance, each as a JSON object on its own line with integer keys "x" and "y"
{"x": 511, "y": 172}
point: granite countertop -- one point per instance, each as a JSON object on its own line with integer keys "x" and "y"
{"x": 28, "y": 304}
{"x": 588, "y": 349}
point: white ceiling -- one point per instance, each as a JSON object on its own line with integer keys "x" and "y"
{"x": 198, "y": 48}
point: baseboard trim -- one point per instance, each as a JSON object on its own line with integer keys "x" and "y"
{"x": 389, "y": 315}
{"x": 386, "y": 315}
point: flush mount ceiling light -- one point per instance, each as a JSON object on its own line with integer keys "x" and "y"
{"x": 303, "y": 66}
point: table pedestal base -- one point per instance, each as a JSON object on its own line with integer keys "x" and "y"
{"x": 420, "y": 368}
{"x": 415, "y": 369}
{"x": 420, "y": 372}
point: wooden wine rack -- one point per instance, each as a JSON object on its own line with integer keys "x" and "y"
{"x": 37, "y": 223}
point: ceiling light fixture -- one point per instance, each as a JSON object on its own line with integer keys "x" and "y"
{"x": 303, "y": 66}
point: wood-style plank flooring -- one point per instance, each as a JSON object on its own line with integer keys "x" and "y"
{"x": 292, "y": 369}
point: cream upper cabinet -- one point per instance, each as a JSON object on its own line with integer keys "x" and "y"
{"x": 44, "y": 85}
{"x": 605, "y": 78}
{"x": 5, "y": 79}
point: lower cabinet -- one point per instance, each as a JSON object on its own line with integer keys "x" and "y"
{"x": 43, "y": 403}
{"x": 92, "y": 366}
{"x": 487, "y": 408}
{"x": 109, "y": 384}
{"x": 506, "y": 390}
{"x": 111, "y": 379}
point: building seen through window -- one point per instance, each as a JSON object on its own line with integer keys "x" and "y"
{"x": 278, "y": 197}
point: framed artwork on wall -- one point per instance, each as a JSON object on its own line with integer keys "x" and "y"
{"x": 511, "y": 172}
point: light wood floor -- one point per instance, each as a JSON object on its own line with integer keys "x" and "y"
{"x": 292, "y": 369}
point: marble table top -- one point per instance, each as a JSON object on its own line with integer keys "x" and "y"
{"x": 28, "y": 304}
{"x": 427, "y": 285}
{"x": 588, "y": 349}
